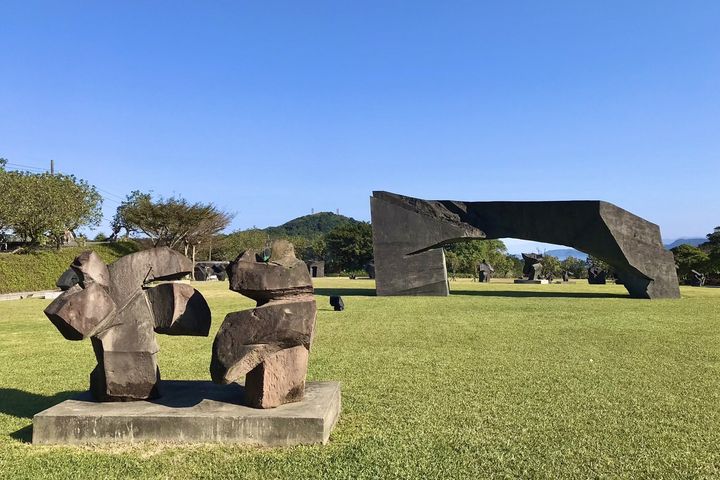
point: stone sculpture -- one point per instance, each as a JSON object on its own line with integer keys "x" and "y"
{"x": 67, "y": 280}
{"x": 269, "y": 344}
{"x": 565, "y": 276}
{"x": 597, "y": 276}
{"x": 120, "y": 311}
{"x": 337, "y": 303}
{"x": 532, "y": 269}
{"x": 408, "y": 233}
{"x": 697, "y": 279}
{"x": 484, "y": 271}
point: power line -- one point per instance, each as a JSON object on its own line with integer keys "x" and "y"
{"x": 29, "y": 167}
{"x": 108, "y": 195}
{"x": 118, "y": 197}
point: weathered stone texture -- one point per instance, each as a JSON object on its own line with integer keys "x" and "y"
{"x": 407, "y": 232}
{"x": 117, "y": 308}
{"x": 268, "y": 345}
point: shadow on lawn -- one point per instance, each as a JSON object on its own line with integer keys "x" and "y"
{"x": 350, "y": 292}
{"x": 22, "y": 404}
{"x": 529, "y": 294}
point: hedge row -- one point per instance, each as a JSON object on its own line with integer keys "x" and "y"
{"x": 40, "y": 270}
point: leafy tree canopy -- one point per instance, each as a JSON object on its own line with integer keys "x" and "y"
{"x": 170, "y": 222}
{"x": 41, "y": 206}
{"x": 349, "y": 246}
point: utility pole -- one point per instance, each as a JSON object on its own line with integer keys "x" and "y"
{"x": 52, "y": 167}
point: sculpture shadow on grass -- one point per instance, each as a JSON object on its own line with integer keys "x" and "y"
{"x": 188, "y": 393}
{"x": 185, "y": 393}
{"x": 22, "y": 404}
{"x": 349, "y": 292}
{"x": 530, "y": 294}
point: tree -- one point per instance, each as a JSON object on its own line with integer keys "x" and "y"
{"x": 170, "y": 222}
{"x": 575, "y": 267}
{"x": 601, "y": 264}
{"x": 203, "y": 222}
{"x": 232, "y": 245}
{"x": 39, "y": 206}
{"x": 349, "y": 246}
{"x": 712, "y": 248}
{"x": 551, "y": 266}
{"x": 466, "y": 255}
{"x": 689, "y": 258}
{"x": 508, "y": 266}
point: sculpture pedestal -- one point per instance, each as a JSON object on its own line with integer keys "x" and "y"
{"x": 533, "y": 282}
{"x": 192, "y": 412}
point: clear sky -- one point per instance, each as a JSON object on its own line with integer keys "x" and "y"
{"x": 271, "y": 109}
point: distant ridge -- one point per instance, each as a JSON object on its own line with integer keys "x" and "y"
{"x": 686, "y": 241}
{"x": 310, "y": 226}
{"x": 563, "y": 253}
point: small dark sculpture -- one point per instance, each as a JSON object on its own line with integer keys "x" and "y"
{"x": 565, "y": 276}
{"x": 533, "y": 265}
{"x": 219, "y": 271}
{"x": 696, "y": 278}
{"x": 484, "y": 271}
{"x": 201, "y": 273}
{"x": 205, "y": 270}
{"x": 337, "y": 303}
{"x": 67, "y": 280}
{"x": 597, "y": 276}
{"x": 269, "y": 344}
{"x": 549, "y": 277}
{"x": 116, "y": 307}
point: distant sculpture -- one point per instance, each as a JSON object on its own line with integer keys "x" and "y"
{"x": 337, "y": 303}
{"x": 697, "y": 279}
{"x": 120, "y": 311}
{"x": 597, "y": 276}
{"x": 210, "y": 270}
{"x": 316, "y": 268}
{"x": 67, "y": 280}
{"x": 565, "y": 276}
{"x": 408, "y": 234}
{"x": 484, "y": 271}
{"x": 269, "y": 344}
{"x": 532, "y": 269}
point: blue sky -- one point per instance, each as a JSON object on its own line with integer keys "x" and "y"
{"x": 271, "y": 109}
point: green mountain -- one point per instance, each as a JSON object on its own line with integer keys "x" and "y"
{"x": 310, "y": 226}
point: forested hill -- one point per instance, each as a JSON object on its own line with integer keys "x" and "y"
{"x": 310, "y": 226}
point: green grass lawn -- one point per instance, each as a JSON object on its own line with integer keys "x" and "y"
{"x": 498, "y": 380}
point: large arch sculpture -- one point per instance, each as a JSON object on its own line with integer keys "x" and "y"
{"x": 408, "y": 233}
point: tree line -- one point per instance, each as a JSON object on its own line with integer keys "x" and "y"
{"x": 41, "y": 209}
{"x": 704, "y": 259}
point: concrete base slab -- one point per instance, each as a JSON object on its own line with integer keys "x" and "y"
{"x": 47, "y": 294}
{"x": 533, "y": 282}
{"x": 192, "y": 412}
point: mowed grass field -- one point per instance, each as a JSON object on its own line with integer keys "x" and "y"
{"x": 496, "y": 381}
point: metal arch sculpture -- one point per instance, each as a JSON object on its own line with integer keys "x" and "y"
{"x": 407, "y": 234}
